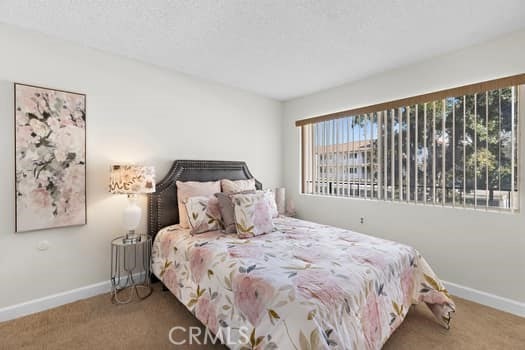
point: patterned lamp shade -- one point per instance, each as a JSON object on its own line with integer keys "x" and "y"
{"x": 132, "y": 179}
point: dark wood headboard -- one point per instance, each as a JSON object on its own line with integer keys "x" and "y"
{"x": 163, "y": 209}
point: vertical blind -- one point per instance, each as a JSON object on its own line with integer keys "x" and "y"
{"x": 460, "y": 151}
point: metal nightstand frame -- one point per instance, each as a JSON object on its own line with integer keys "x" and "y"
{"x": 124, "y": 256}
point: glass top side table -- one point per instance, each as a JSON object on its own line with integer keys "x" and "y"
{"x": 130, "y": 269}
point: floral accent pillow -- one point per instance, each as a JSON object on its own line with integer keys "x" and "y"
{"x": 253, "y": 215}
{"x": 189, "y": 189}
{"x": 227, "y": 210}
{"x": 203, "y": 214}
{"x": 270, "y": 197}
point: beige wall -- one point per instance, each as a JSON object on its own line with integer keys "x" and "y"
{"x": 135, "y": 113}
{"x": 484, "y": 251}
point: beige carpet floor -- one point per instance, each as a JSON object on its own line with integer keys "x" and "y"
{"x": 95, "y": 323}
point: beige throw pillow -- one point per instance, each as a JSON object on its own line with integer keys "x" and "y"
{"x": 237, "y": 185}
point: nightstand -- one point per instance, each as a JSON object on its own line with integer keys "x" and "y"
{"x": 130, "y": 269}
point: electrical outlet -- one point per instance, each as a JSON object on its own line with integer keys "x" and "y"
{"x": 362, "y": 220}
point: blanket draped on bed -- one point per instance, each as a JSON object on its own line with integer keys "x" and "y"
{"x": 305, "y": 286}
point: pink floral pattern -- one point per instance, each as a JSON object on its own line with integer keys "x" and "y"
{"x": 303, "y": 285}
{"x": 205, "y": 312}
{"x": 188, "y": 189}
{"x": 200, "y": 257}
{"x": 169, "y": 278}
{"x": 252, "y": 296}
{"x": 372, "y": 257}
{"x": 253, "y": 214}
{"x": 269, "y": 195}
{"x": 318, "y": 285}
{"x": 407, "y": 285}
{"x": 166, "y": 244}
{"x": 371, "y": 321}
{"x": 50, "y": 158}
{"x": 246, "y": 252}
{"x": 203, "y": 214}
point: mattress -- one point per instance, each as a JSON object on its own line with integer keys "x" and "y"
{"x": 304, "y": 286}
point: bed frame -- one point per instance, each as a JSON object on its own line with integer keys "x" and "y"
{"x": 163, "y": 208}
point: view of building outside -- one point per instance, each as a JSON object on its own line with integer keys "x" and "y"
{"x": 345, "y": 161}
{"x": 456, "y": 151}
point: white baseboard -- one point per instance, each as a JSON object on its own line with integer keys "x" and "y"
{"x": 54, "y": 300}
{"x": 51, "y": 301}
{"x": 487, "y": 299}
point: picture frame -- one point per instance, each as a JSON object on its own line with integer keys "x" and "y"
{"x": 50, "y": 158}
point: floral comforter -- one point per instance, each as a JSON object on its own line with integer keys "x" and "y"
{"x": 305, "y": 286}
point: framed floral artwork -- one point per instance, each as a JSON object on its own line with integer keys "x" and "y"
{"x": 50, "y": 158}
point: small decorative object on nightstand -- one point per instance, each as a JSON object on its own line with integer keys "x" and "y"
{"x": 130, "y": 269}
{"x": 132, "y": 180}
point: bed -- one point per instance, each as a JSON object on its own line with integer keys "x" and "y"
{"x": 304, "y": 286}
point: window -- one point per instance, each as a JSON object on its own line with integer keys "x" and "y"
{"x": 455, "y": 148}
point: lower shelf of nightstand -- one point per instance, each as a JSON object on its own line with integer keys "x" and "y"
{"x": 137, "y": 291}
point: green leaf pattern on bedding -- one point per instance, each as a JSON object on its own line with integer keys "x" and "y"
{"x": 303, "y": 286}
{"x": 253, "y": 214}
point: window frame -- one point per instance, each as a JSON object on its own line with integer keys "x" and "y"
{"x": 472, "y": 89}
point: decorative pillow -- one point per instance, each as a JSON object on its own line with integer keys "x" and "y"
{"x": 203, "y": 214}
{"x": 227, "y": 210}
{"x": 189, "y": 189}
{"x": 237, "y": 185}
{"x": 253, "y": 216}
{"x": 269, "y": 195}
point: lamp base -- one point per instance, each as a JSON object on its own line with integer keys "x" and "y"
{"x": 131, "y": 218}
{"x": 131, "y": 238}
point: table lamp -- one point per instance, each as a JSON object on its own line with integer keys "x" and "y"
{"x": 132, "y": 180}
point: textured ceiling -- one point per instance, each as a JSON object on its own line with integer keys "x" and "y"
{"x": 277, "y": 48}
